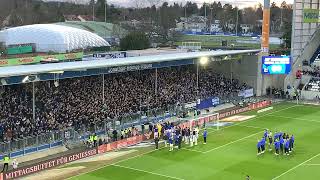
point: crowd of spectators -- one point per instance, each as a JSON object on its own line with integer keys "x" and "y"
{"x": 314, "y": 73}
{"x": 78, "y": 103}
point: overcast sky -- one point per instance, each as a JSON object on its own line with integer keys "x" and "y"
{"x": 133, "y": 3}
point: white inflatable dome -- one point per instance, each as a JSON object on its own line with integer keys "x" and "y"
{"x": 52, "y": 37}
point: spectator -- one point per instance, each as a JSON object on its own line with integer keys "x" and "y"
{"x": 77, "y": 102}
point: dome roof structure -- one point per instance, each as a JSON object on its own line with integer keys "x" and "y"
{"x": 52, "y": 37}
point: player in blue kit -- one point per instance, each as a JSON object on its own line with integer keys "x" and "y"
{"x": 291, "y": 143}
{"x": 171, "y": 142}
{"x": 281, "y": 144}
{"x": 263, "y": 145}
{"x": 276, "y": 146}
{"x": 265, "y": 134}
{"x": 287, "y": 146}
{"x": 259, "y": 147}
{"x": 205, "y": 133}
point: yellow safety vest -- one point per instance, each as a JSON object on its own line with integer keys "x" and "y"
{"x": 91, "y": 138}
{"x": 6, "y": 159}
{"x": 95, "y": 138}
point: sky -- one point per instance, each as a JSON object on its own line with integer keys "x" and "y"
{"x": 135, "y": 3}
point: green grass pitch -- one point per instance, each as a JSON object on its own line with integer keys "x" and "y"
{"x": 231, "y": 152}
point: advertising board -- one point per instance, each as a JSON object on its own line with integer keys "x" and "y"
{"x": 276, "y": 64}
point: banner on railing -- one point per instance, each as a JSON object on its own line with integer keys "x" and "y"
{"x": 207, "y": 103}
{"x": 121, "y": 144}
{"x": 246, "y": 93}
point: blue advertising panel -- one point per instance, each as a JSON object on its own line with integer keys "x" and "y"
{"x": 276, "y": 64}
{"x": 207, "y": 103}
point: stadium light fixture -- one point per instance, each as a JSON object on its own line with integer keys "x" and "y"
{"x": 25, "y": 79}
{"x": 31, "y": 78}
{"x": 204, "y": 60}
{"x": 3, "y": 82}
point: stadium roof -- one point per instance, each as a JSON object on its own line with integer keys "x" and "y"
{"x": 95, "y": 64}
{"x": 52, "y": 37}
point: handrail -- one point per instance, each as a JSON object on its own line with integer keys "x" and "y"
{"x": 288, "y": 78}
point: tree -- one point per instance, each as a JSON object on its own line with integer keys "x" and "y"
{"x": 134, "y": 41}
{"x": 286, "y": 37}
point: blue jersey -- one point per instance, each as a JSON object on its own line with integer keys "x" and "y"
{"x": 205, "y": 133}
{"x": 276, "y": 135}
{"x": 277, "y": 145}
{"x": 287, "y": 144}
{"x": 265, "y": 134}
{"x": 280, "y": 134}
{"x": 170, "y": 140}
{"x": 263, "y": 142}
{"x": 292, "y": 139}
{"x": 281, "y": 140}
{"x": 258, "y": 144}
{"x": 176, "y": 138}
{"x": 168, "y": 134}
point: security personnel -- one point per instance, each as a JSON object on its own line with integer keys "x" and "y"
{"x": 90, "y": 140}
{"x": 122, "y": 133}
{"x": 6, "y": 160}
{"x": 95, "y": 140}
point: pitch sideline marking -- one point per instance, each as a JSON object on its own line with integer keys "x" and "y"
{"x": 232, "y": 142}
{"x": 107, "y": 165}
{"x": 295, "y": 167}
{"x": 255, "y": 127}
{"x": 148, "y": 172}
{"x": 311, "y": 164}
{"x": 188, "y": 149}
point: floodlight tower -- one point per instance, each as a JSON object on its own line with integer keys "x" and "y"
{"x": 265, "y": 27}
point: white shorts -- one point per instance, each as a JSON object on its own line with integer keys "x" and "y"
{"x": 171, "y": 145}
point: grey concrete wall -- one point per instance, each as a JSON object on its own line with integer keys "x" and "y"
{"x": 245, "y": 70}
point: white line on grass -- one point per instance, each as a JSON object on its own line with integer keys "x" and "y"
{"x": 311, "y": 164}
{"x": 254, "y": 118}
{"x": 296, "y": 167}
{"x": 138, "y": 155}
{"x": 255, "y": 127}
{"x": 300, "y": 119}
{"x": 193, "y": 150}
{"x": 232, "y": 142}
{"x": 148, "y": 172}
{"x": 257, "y": 117}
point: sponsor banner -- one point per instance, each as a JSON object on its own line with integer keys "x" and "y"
{"x": 24, "y": 171}
{"x": 246, "y": 93}
{"x": 207, "y": 103}
{"x": 311, "y": 15}
{"x": 190, "y": 105}
{"x": 111, "y": 55}
{"x": 129, "y": 68}
{"x": 122, "y": 143}
{"x": 38, "y": 59}
{"x": 253, "y": 106}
